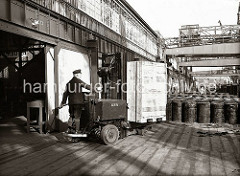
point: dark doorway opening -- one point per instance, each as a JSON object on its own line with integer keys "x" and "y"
{"x": 22, "y": 68}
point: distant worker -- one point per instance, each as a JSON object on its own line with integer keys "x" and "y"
{"x": 75, "y": 97}
{"x": 220, "y": 23}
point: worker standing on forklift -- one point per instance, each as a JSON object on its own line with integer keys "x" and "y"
{"x": 75, "y": 97}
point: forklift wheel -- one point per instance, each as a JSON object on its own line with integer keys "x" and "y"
{"x": 109, "y": 134}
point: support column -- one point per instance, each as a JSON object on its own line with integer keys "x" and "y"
{"x": 57, "y": 91}
{"x": 93, "y": 47}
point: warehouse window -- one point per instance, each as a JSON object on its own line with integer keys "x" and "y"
{"x": 97, "y": 10}
{"x": 5, "y": 73}
{"x": 55, "y": 6}
{"x": 62, "y": 9}
{"x": 77, "y": 17}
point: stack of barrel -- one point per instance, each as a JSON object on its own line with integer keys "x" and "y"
{"x": 192, "y": 108}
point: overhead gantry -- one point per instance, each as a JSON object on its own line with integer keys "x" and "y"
{"x": 219, "y": 42}
{"x": 213, "y": 46}
{"x": 213, "y": 50}
{"x": 212, "y": 63}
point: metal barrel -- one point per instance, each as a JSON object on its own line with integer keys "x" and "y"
{"x": 238, "y": 121}
{"x": 217, "y": 112}
{"x": 237, "y": 100}
{"x": 230, "y": 112}
{"x": 177, "y": 110}
{"x": 203, "y": 111}
{"x": 169, "y": 110}
{"x": 190, "y": 111}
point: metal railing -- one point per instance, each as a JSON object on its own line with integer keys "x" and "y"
{"x": 193, "y": 35}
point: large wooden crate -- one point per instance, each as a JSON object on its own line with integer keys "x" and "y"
{"x": 146, "y": 91}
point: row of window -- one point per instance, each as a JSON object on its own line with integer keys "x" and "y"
{"x": 109, "y": 13}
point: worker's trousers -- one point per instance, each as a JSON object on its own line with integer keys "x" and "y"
{"x": 75, "y": 112}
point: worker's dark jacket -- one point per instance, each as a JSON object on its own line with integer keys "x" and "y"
{"x": 74, "y": 91}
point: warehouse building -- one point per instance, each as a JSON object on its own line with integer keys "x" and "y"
{"x": 43, "y": 41}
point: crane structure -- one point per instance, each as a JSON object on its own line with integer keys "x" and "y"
{"x": 238, "y": 19}
{"x": 194, "y": 35}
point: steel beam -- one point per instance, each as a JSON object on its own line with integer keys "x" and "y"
{"x": 211, "y": 63}
{"x": 212, "y": 72}
{"x": 223, "y": 49}
{"x": 25, "y": 32}
{"x": 217, "y": 75}
{"x": 3, "y": 50}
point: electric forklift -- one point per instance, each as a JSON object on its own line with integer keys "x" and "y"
{"x": 105, "y": 117}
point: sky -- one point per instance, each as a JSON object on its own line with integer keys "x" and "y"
{"x": 167, "y": 16}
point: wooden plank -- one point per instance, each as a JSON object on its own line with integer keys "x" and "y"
{"x": 170, "y": 162}
{"x": 216, "y": 164}
{"x": 20, "y": 146}
{"x": 205, "y": 143}
{"x": 166, "y": 136}
{"x": 24, "y": 152}
{"x": 107, "y": 163}
{"x": 126, "y": 144}
{"x": 236, "y": 147}
{"x": 175, "y": 137}
{"x": 68, "y": 159}
{"x": 163, "y": 129}
{"x": 136, "y": 167}
{"x": 155, "y": 162}
{"x": 116, "y": 150}
{"x": 230, "y": 164}
{"x": 184, "y": 141}
{"x": 5, "y": 137}
{"x": 17, "y": 134}
{"x": 234, "y": 144}
{"x": 186, "y": 163}
{"x": 121, "y": 165}
{"x": 202, "y": 164}
{"x": 62, "y": 159}
{"x": 194, "y": 142}
{"x": 216, "y": 143}
{"x": 83, "y": 167}
{"x": 226, "y": 145}
{"x": 168, "y": 148}
{"x": 102, "y": 166}
{"x": 22, "y": 164}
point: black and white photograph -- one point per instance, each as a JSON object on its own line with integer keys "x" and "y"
{"x": 119, "y": 87}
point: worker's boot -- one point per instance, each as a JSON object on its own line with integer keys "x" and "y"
{"x": 69, "y": 130}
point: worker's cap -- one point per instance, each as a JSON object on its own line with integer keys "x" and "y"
{"x": 77, "y": 71}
